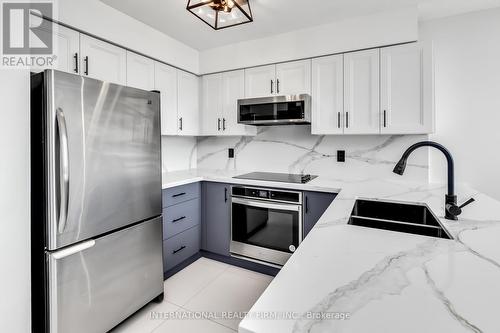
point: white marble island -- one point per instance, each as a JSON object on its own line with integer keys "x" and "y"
{"x": 383, "y": 281}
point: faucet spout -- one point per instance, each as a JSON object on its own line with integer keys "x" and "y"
{"x": 401, "y": 165}
{"x": 450, "y": 199}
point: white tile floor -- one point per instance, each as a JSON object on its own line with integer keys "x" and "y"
{"x": 206, "y": 286}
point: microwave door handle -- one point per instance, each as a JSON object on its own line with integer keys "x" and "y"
{"x": 64, "y": 170}
{"x": 269, "y": 205}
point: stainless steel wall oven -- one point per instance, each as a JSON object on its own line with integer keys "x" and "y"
{"x": 266, "y": 224}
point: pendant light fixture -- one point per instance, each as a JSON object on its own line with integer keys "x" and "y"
{"x": 220, "y": 14}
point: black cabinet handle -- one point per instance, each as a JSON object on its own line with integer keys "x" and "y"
{"x": 86, "y": 60}
{"x": 180, "y": 123}
{"x": 178, "y": 195}
{"x": 218, "y": 124}
{"x": 179, "y": 219}
{"x": 338, "y": 119}
{"x": 272, "y": 86}
{"x": 347, "y": 120}
{"x": 385, "y": 118}
{"x": 76, "y": 62}
{"x": 179, "y": 249}
{"x": 223, "y": 124}
{"x": 307, "y": 204}
{"x": 277, "y": 86}
{"x": 225, "y": 194}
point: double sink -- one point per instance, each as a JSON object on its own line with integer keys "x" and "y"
{"x": 402, "y": 217}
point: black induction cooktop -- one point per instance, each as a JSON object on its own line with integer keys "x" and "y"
{"x": 277, "y": 177}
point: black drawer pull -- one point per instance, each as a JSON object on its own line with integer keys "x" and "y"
{"x": 178, "y": 195}
{"x": 179, "y": 219}
{"x": 179, "y": 249}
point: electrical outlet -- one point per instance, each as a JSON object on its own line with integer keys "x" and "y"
{"x": 230, "y": 152}
{"x": 340, "y": 155}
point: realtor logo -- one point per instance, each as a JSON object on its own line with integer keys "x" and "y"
{"x": 24, "y": 33}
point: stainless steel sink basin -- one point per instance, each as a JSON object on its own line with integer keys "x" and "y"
{"x": 395, "y": 216}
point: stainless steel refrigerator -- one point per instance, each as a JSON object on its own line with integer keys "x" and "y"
{"x": 96, "y": 225}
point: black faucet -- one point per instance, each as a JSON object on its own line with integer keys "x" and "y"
{"x": 452, "y": 210}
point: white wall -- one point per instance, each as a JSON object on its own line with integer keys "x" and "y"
{"x": 106, "y": 22}
{"x": 467, "y": 70}
{"x": 14, "y": 202}
{"x": 351, "y": 34}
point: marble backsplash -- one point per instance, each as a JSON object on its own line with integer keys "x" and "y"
{"x": 292, "y": 149}
{"x": 178, "y": 153}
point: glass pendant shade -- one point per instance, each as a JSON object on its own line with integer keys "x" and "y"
{"x": 220, "y": 14}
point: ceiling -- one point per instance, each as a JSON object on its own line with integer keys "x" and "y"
{"x": 276, "y": 16}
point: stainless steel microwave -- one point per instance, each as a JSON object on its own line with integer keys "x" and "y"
{"x": 275, "y": 110}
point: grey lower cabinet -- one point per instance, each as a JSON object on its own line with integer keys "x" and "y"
{"x": 181, "y": 224}
{"x": 198, "y": 216}
{"x": 315, "y": 204}
{"x": 216, "y": 217}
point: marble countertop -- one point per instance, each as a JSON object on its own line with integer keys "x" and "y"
{"x": 345, "y": 278}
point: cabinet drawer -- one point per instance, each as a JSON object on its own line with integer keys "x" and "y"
{"x": 175, "y": 195}
{"x": 181, "y": 217}
{"x": 180, "y": 247}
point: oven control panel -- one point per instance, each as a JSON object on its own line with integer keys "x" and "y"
{"x": 267, "y": 194}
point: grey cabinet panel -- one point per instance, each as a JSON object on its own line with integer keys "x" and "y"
{"x": 216, "y": 217}
{"x": 180, "y": 217}
{"x": 178, "y": 194}
{"x": 315, "y": 204}
{"x": 180, "y": 247}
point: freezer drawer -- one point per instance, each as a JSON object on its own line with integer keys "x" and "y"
{"x": 95, "y": 285}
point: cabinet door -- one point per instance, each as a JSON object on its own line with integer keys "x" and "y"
{"x": 103, "y": 61}
{"x": 211, "y": 105}
{"x": 260, "y": 81}
{"x": 233, "y": 88}
{"x": 328, "y": 95}
{"x": 293, "y": 78}
{"x": 66, "y": 46}
{"x": 140, "y": 72}
{"x": 361, "y": 92}
{"x": 315, "y": 204}
{"x": 216, "y": 217}
{"x": 188, "y": 88}
{"x": 407, "y": 89}
{"x": 166, "y": 83}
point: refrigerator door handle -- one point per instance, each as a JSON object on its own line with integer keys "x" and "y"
{"x": 64, "y": 169}
{"x": 66, "y": 252}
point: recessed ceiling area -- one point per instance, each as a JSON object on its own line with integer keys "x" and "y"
{"x": 273, "y": 17}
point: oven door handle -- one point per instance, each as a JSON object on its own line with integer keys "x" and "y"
{"x": 262, "y": 204}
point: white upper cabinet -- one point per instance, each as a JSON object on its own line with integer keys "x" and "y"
{"x": 293, "y": 77}
{"x": 140, "y": 71}
{"x": 166, "y": 84}
{"x": 289, "y": 78}
{"x": 211, "y": 110}
{"x": 188, "y": 103}
{"x": 219, "y": 112}
{"x": 260, "y": 81}
{"x": 328, "y": 95}
{"x": 361, "y": 92}
{"x": 233, "y": 88}
{"x": 407, "y": 101}
{"x": 103, "y": 61}
{"x": 66, "y": 46}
